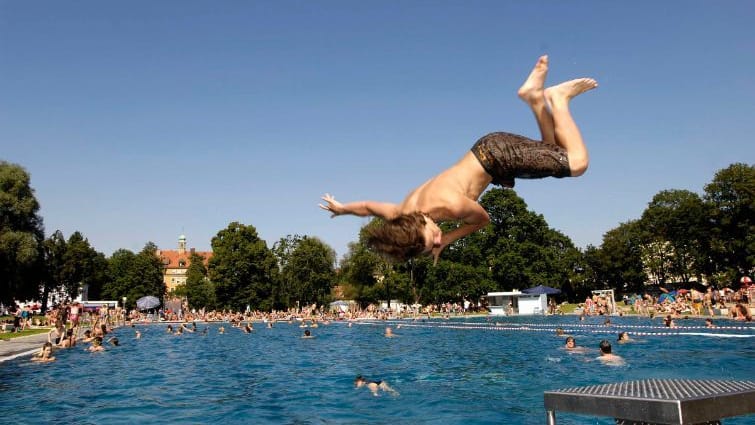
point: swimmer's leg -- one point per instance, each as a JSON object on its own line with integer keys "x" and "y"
{"x": 533, "y": 94}
{"x": 387, "y": 388}
{"x": 567, "y": 132}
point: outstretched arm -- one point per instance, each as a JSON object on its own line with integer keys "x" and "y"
{"x": 360, "y": 208}
{"x": 474, "y": 218}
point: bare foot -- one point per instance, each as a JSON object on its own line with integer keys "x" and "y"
{"x": 532, "y": 89}
{"x": 568, "y": 89}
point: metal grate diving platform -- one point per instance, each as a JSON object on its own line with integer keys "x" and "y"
{"x": 656, "y": 401}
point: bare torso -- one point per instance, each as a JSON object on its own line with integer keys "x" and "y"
{"x": 447, "y": 195}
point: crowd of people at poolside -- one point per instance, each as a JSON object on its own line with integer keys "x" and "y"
{"x": 74, "y": 327}
{"x": 681, "y": 303}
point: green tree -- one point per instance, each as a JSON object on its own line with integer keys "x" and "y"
{"x": 359, "y": 273}
{"x": 731, "y": 198}
{"x": 21, "y": 236}
{"x": 134, "y": 275}
{"x": 122, "y": 276}
{"x": 82, "y": 266}
{"x": 242, "y": 268}
{"x": 284, "y": 292}
{"x": 676, "y": 235}
{"x": 519, "y": 247}
{"x": 310, "y": 271}
{"x": 199, "y": 291}
{"x": 54, "y": 252}
{"x": 620, "y": 258}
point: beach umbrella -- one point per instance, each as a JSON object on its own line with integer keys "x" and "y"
{"x": 148, "y": 302}
{"x": 541, "y": 289}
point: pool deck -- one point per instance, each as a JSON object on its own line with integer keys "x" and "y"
{"x": 21, "y": 346}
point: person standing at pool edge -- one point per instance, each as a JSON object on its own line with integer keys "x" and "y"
{"x": 410, "y": 227}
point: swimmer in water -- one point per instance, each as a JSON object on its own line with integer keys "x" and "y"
{"x": 307, "y": 334}
{"x": 45, "y": 354}
{"x": 571, "y": 345}
{"x": 410, "y": 228}
{"x": 606, "y": 356}
{"x": 96, "y": 345}
{"x": 623, "y": 337}
{"x": 389, "y": 332}
{"x": 374, "y": 386}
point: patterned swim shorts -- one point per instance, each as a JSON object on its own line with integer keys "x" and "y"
{"x": 507, "y": 156}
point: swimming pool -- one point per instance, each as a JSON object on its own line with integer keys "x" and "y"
{"x": 455, "y": 371}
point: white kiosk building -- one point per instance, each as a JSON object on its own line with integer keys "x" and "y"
{"x": 516, "y": 303}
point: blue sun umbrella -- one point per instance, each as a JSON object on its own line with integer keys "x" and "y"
{"x": 541, "y": 289}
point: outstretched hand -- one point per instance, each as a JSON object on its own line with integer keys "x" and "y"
{"x": 335, "y": 207}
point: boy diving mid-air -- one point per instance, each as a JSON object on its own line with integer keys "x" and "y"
{"x": 410, "y": 228}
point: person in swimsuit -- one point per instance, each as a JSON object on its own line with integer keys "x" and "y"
{"x": 410, "y": 228}
{"x": 374, "y": 386}
{"x": 607, "y": 357}
{"x": 45, "y": 354}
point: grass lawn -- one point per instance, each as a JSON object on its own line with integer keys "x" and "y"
{"x": 9, "y": 335}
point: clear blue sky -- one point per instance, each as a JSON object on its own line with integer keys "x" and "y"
{"x": 142, "y": 120}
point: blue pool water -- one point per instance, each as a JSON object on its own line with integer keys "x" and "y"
{"x": 450, "y": 372}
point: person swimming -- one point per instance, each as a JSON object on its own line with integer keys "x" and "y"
{"x": 307, "y": 334}
{"x": 606, "y": 356}
{"x": 374, "y": 386}
{"x": 571, "y": 345}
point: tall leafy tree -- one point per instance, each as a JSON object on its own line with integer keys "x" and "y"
{"x": 199, "y": 291}
{"x": 134, "y": 275}
{"x": 242, "y": 268}
{"x": 284, "y": 293}
{"x": 519, "y": 247}
{"x": 676, "y": 234}
{"x": 55, "y": 248}
{"x": 82, "y": 266}
{"x": 620, "y": 258}
{"x": 150, "y": 270}
{"x": 21, "y": 236}
{"x": 731, "y": 198}
{"x": 310, "y": 270}
{"x": 122, "y": 274}
{"x": 359, "y": 273}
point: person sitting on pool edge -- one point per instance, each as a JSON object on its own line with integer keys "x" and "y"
{"x": 374, "y": 386}
{"x": 409, "y": 228}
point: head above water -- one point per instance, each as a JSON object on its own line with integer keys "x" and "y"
{"x": 605, "y": 347}
{"x": 404, "y": 237}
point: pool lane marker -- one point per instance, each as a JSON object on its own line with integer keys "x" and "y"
{"x": 587, "y": 325}
{"x": 551, "y": 330}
